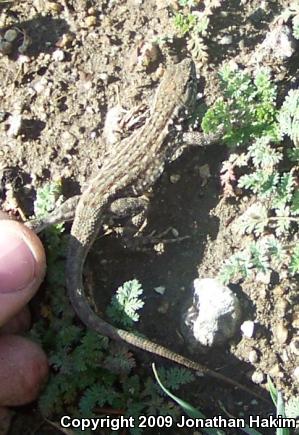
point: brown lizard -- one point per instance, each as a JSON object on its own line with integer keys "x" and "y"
{"x": 134, "y": 168}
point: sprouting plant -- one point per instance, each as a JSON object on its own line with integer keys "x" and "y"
{"x": 184, "y": 23}
{"x": 47, "y": 198}
{"x": 194, "y": 24}
{"x": 247, "y": 112}
{"x": 125, "y": 304}
{"x": 247, "y": 108}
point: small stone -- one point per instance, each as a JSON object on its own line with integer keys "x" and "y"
{"x": 68, "y": 140}
{"x": 23, "y": 59}
{"x": 93, "y": 135}
{"x": 226, "y": 40}
{"x": 11, "y": 35}
{"x": 90, "y": 21}
{"x": 40, "y": 85}
{"x": 174, "y": 178}
{"x": 58, "y": 55}
{"x": 149, "y": 53}
{"x": 160, "y": 290}
{"x": 174, "y": 232}
{"x": 280, "y": 333}
{"x": 104, "y": 77}
{"x": 91, "y": 11}
{"x": 15, "y": 124}
{"x": 247, "y": 328}
{"x": 65, "y": 40}
{"x": 257, "y": 377}
{"x": 280, "y": 42}
{"x": 294, "y": 346}
{"x": 253, "y": 356}
{"x": 214, "y": 315}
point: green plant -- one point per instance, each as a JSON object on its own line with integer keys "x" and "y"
{"x": 247, "y": 112}
{"x": 125, "y": 304}
{"x": 246, "y": 109}
{"x": 191, "y": 22}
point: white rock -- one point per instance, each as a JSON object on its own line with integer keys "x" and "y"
{"x": 257, "y": 377}
{"x": 279, "y": 42}
{"x": 226, "y": 40}
{"x": 58, "y": 55}
{"x": 214, "y": 316}
{"x": 253, "y": 356}
{"x": 247, "y": 328}
{"x": 15, "y": 124}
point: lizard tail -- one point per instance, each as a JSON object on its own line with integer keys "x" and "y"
{"x": 93, "y": 321}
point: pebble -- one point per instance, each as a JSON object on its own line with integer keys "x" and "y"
{"x": 90, "y": 21}
{"x": 15, "y": 124}
{"x": 247, "y": 328}
{"x": 68, "y": 140}
{"x": 66, "y": 40}
{"x": 214, "y": 316}
{"x": 160, "y": 290}
{"x": 253, "y": 356}
{"x": 280, "y": 333}
{"x": 11, "y": 35}
{"x": 226, "y": 40}
{"x": 40, "y": 85}
{"x": 174, "y": 232}
{"x": 280, "y": 41}
{"x": 58, "y": 55}
{"x": 258, "y": 377}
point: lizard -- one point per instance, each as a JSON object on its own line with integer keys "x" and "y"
{"x": 135, "y": 167}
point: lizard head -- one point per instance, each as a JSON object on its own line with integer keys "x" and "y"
{"x": 178, "y": 88}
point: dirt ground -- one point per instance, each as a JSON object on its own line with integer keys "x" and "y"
{"x": 84, "y": 58}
